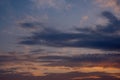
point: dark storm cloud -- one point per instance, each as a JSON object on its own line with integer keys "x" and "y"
{"x": 99, "y": 39}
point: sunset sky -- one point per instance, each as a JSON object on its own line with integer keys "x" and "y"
{"x": 59, "y": 39}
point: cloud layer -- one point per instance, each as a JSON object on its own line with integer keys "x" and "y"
{"x": 104, "y": 37}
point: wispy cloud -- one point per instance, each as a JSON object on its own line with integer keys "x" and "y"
{"x": 55, "y": 4}
{"x": 113, "y": 4}
{"x": 26, "y": 65}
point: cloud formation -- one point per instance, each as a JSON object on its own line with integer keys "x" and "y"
{"x": 39, "y": 67}
{"x": 113, "y": 4}
{"x": 55, "y": 4}
{"x": 104, "y": 37}
{"x": 59, "y": 40}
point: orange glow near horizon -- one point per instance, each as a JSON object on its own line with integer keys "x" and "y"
{"x": 37, "y": 69}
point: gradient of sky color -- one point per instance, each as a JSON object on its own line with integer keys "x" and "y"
{"x": 22, "y": 18}
{"x": 45, "y": 32}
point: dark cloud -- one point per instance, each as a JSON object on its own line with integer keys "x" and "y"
{"x": 38, "y": 50}
{"x": 103, "y": 38}
{"x": 7, "y": 58}
{"x": 31, "y": 25}
{"x": 101, "y": 60}
{"x": 118, "y": 2}
{"x": 60, "y": 76}
{"x": 95, "y": 59}
{"x": 15, "y": 58}
{"x": 113, "y": 25}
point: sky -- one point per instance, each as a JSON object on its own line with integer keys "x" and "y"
{"x": 66, "y": 24}
{"x": 47, "y": 39}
